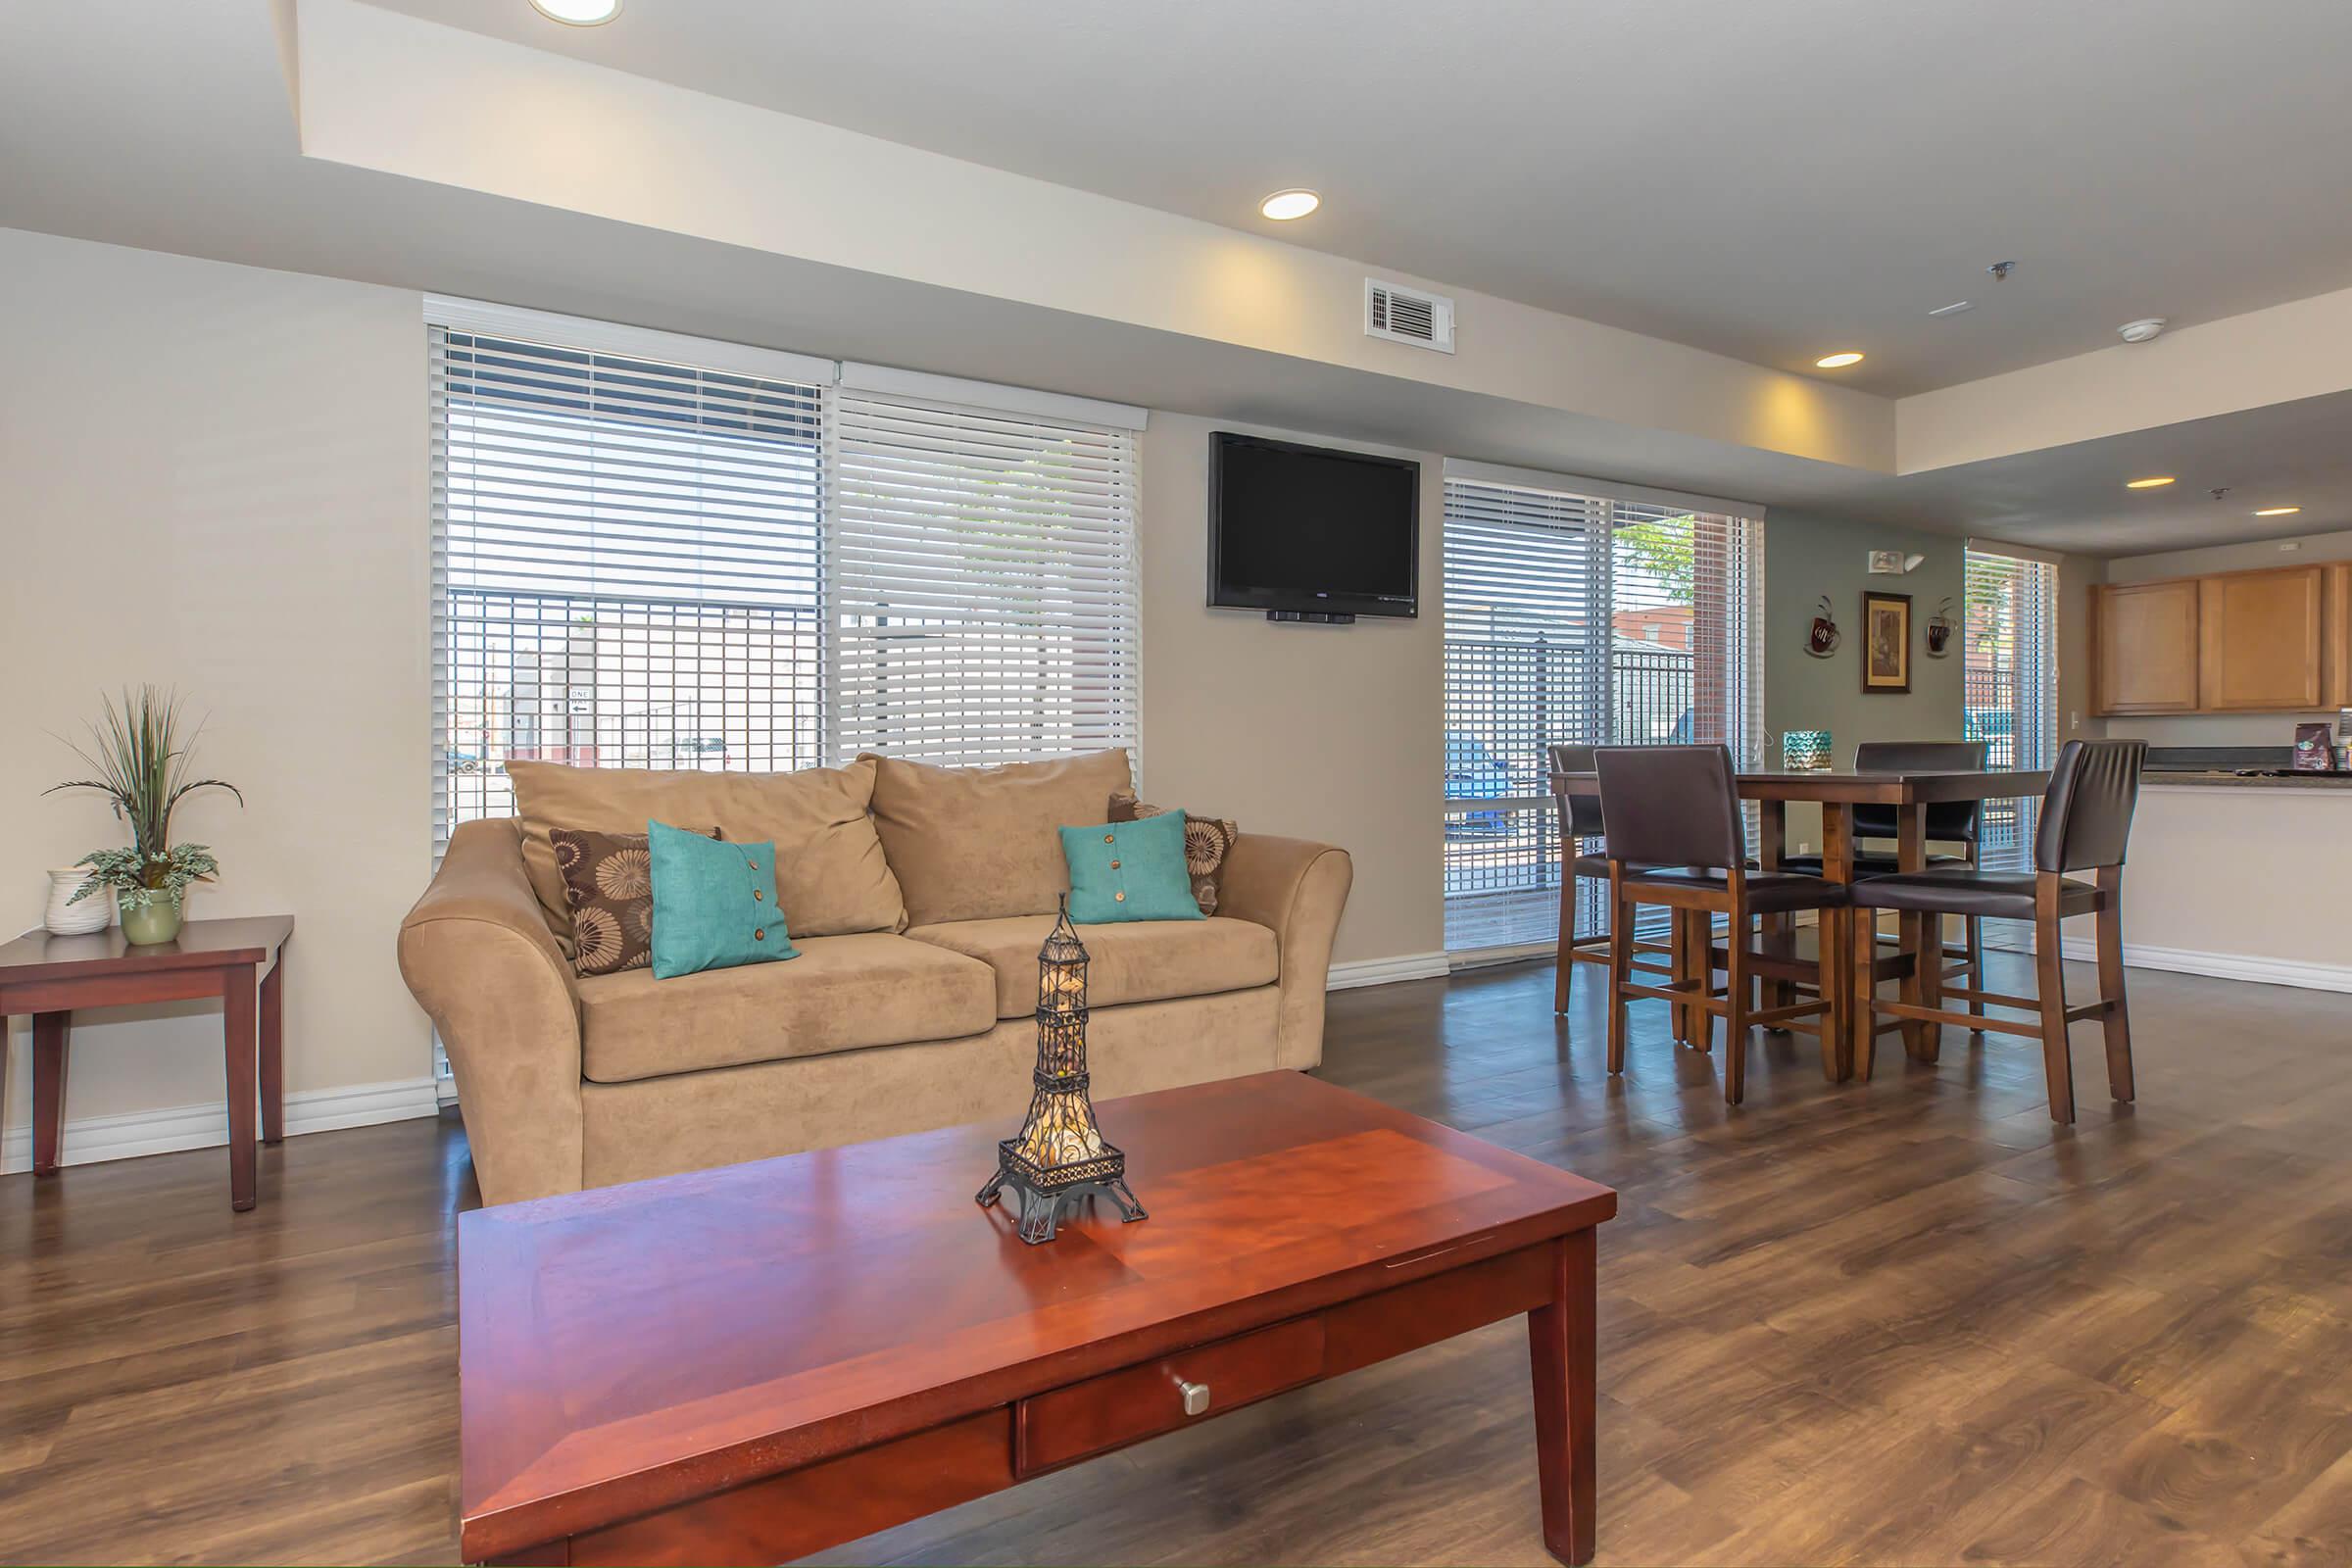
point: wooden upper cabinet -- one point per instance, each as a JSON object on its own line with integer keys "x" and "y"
{"x": 2144, "y": 647}
{"x": 2258, "y": 638}
{"x": 2275, "y": 640}
{"x": 2335, "y": 637}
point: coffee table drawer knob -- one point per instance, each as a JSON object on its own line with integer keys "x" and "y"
{"x": 1196, "y": 1397}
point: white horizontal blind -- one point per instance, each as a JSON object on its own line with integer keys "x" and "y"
{"x": 2009, "y": 627}
{"x": 985, "y": 581}
{"x": 1574, "y": 618}
{"x": 625, "y": 567}
{"x": 1526, "y": 663}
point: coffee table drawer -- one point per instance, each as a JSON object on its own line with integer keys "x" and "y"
{"x": 1121, "y": 1407}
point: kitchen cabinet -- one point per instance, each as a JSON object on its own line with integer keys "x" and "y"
{"x": 2335, "y": 646}
{"x": 2277, "y": 640}
{"x": 2144, "y": 647}
{"x": 2258, "y": 640}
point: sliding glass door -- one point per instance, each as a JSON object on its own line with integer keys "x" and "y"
{"x": 2010, "y": 675}
{"x": 1575, "y": 617}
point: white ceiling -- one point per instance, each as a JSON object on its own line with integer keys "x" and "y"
{"x": 168, "y": 127}
{"x": 1769, "y": 181}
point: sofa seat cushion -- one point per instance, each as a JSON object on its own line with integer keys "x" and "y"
{"x": 841, "y": 993}
{"x": 1135, "y": 961}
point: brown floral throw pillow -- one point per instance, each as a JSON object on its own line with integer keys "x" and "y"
{"x": 1207, "y": 842}
{"x": 609, "y": 887}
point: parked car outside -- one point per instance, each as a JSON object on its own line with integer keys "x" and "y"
{"x": 1473, "y": 773}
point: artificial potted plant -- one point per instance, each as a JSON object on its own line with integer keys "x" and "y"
{"x": 141, "y": 763}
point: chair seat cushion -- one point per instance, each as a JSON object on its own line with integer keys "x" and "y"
{"x": 1992, "y": 894}
{"x": 1870, "y": 863}
{"x": 1134, "y": 960}
{"x": 841, "y": 993}
{"x": 1768, "y": 892}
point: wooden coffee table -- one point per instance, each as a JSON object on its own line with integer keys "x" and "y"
{"x": 750, "y": 1364}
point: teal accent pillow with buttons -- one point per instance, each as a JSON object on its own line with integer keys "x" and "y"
{"x": 1130, "y": 871}
{"x": 714, "y": 902}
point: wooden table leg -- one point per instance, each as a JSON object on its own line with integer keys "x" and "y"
{"x": 1560, "y": 1340}
{"x": 1835, "y": 935}
{"x": 1917, "y": 951}
{"x": 1678, "y": 957}
{"x": 237, "y": 1031}
{"x": 274, "y": 1050}
{"x": 50, "y": 1032}
{"x": 1772, "y": 847}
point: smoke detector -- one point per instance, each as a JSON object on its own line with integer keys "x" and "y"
{"x": 2143, "y": 330}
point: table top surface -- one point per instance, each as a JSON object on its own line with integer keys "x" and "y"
{"x": 201, "y": 945}
{"x": 628, "y": 1348}
{"x": 1876, "y": 788}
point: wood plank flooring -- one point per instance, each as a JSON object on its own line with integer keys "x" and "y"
{"x": 1903, "y": 1322}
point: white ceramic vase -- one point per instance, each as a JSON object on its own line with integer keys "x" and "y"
{"x": 93, "y": 913}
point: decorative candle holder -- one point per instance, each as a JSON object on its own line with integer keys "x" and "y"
{"x": 1805, "y": 750}
{"x": 1058, "y": 1157}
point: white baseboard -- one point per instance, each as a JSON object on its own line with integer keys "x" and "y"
{"x": 1387, "y": 971}
{"x": 174, "y": 1128}
{"x": 2221, "y": 965}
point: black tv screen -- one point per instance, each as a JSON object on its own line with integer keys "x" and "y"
{"x": 1312, "y": 530}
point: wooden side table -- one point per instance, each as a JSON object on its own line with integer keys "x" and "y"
{"x": 49, "y": 977}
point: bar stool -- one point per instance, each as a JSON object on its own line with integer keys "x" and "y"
{"x": 1958, "y": 822}
{"x": 1675, "y": 838}
{"x": 1581, "y": 836}
{"x": 2086, "y": 826}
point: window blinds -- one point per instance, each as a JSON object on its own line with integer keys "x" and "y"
{"x": 1579, "y": 618}
{"x": 2010, "y": 680}
{"x": 984, "y": 578}
{"x": 627, "y": 566}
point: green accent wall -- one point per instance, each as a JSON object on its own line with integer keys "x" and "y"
{"x": 1807, "y": 558}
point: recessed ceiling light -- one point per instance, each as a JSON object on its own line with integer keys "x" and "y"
{"x": 577, "y": 13}
{"x": 1285, "y": 205}
{"x": 2275, "y": 512}
{"x": 2153, "y": 482}
{"x": 1838, "y": 361}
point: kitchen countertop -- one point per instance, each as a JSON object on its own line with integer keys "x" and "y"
{"x": 2167, "y": 778}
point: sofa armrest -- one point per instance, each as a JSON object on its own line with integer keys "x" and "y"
{"x": 1297, "y": 889}
{"x": 478, "y": 957}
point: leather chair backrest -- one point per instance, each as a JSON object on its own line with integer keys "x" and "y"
{"x": 1948, "y": 821}
{"x": 1671, "y": 804}
{"x": 1584, "y": 810}
{"x": 2087, "y": 811}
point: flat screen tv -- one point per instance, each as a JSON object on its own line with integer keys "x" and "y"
{"x": 1312, "y": 532}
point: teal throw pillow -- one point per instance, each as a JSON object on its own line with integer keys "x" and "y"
{"x": 714, "y": 904}
{"x": 1130, "y": 871}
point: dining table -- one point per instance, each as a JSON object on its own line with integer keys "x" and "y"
{"x": 1846, "y": 987}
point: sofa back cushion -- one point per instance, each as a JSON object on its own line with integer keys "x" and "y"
{"x": 831, "y": 878}
{"x": 982, "y": 843}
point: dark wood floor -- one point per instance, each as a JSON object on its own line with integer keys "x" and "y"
{"x": 1902, "y": 1322}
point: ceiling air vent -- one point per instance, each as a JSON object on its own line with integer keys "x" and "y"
{"x": 1409, "y": 316}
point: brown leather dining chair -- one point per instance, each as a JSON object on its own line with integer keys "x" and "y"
{"x": 1581, "y": 838}
{"x": 2086, "y": 826}
{"x": 1959, "y": 822}
{"x": 1675, "y": 838}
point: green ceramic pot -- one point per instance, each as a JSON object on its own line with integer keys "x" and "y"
{"x": 151, "y": 923}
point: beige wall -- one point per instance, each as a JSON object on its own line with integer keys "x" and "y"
{"x": 214, "y": 477}
{"x": 2253, "y": 878}
{"x": 1321, "y": 732}
{"x": 2223, "y": 729}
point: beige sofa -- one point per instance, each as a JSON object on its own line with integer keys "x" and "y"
{"x": 917, "y": 897}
